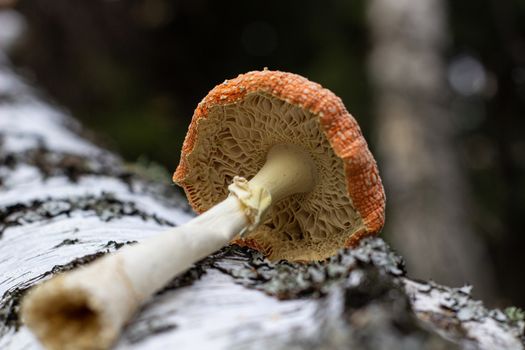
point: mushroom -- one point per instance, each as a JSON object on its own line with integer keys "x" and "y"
{"x": 313, "y": 188}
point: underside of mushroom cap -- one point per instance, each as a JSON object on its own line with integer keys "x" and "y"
{"x": 231, "y": 132}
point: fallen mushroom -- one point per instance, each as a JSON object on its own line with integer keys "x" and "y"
{"x": 314, "y": 188}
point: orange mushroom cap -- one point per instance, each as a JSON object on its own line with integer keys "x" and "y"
{"x": 236, "y": 124}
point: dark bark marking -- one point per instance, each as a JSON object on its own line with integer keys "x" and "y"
{"x": 117, "y": 245}
{"x": 106, "y": 206}
{"x": 67, "y": 241}
{"x": 52, "y": 163}
{"x": 139, "y": 331}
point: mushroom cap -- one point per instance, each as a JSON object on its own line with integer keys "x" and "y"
{"x": 234, "y": 127}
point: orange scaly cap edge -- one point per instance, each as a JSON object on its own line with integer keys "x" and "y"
{"x": 363, "y": 182}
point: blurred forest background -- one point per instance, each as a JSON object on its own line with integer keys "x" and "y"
{"x": 437, "y": 86}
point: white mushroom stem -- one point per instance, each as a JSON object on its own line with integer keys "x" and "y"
{"x": 86, "y": 308}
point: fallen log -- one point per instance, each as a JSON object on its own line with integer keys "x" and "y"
{"x": 66, "y": 202}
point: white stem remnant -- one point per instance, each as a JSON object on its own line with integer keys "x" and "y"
{"x": 86, "y": 308}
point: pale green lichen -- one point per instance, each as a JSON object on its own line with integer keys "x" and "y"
{"x": 515, "y": 314}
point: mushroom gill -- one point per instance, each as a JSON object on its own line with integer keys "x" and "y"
{"x": 234, "y": 139}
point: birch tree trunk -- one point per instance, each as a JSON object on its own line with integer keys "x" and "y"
{"x": 65, "y": 202}
{"x": 427, "y": 191}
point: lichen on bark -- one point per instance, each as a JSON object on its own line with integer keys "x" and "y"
{"x": 287, "y": 280}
